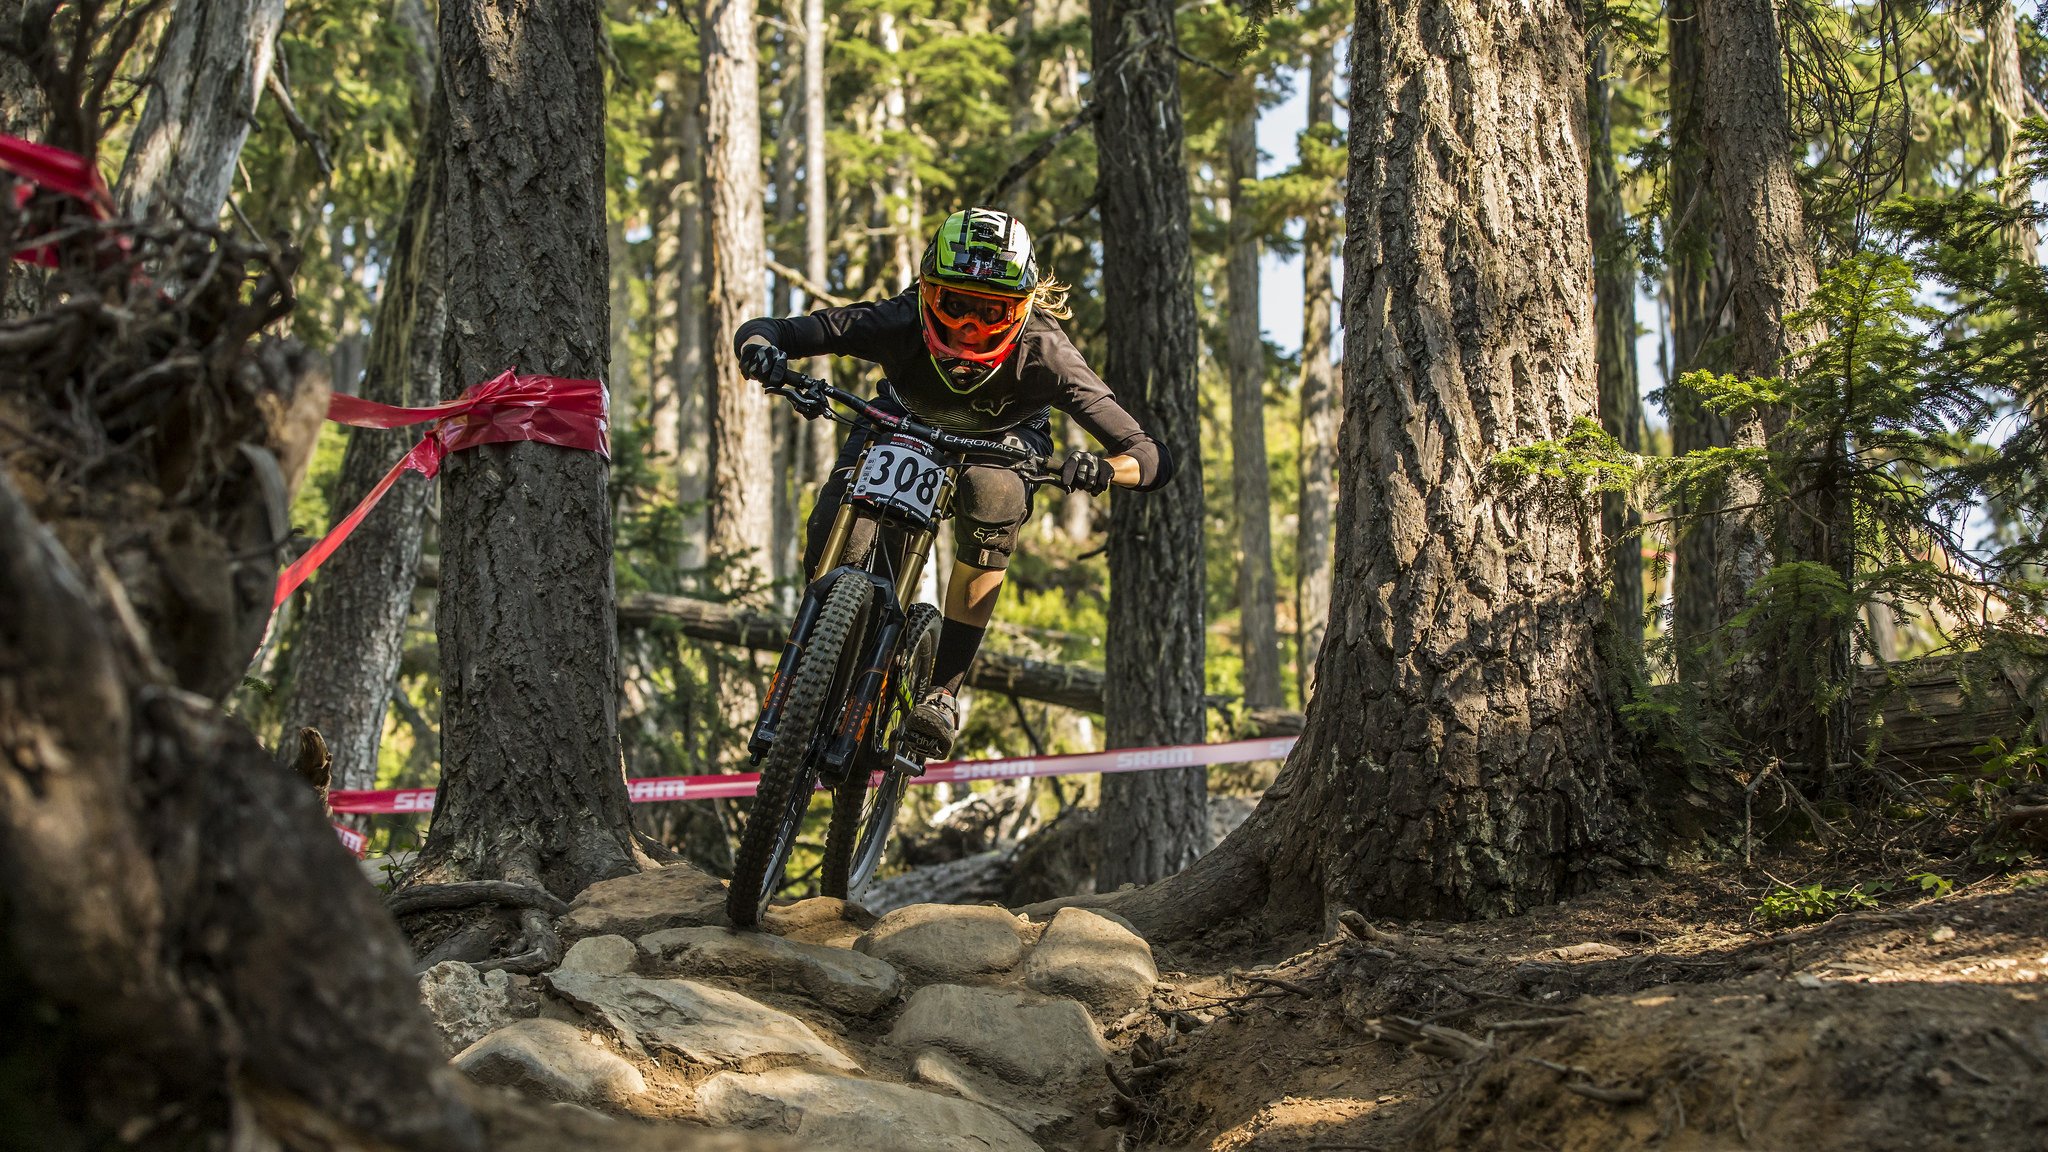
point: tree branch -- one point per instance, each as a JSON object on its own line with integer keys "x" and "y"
{"x": 1087, "y": 115}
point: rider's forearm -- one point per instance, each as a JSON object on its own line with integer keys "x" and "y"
{"x": 1125, "y": 471}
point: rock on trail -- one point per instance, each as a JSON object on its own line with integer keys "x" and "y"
{"x": 941, "y": 1028}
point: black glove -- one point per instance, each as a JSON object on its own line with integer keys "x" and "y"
{"x": 763, "y": 362}
{"x": 1085, "y": 472}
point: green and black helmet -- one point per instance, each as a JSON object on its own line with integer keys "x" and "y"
{"x": 975, "y": 286}
{"x": 981, "y": 250}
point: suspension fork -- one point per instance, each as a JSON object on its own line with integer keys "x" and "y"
{"x": 778, "y": 685}
{"x": 873, "y": 684}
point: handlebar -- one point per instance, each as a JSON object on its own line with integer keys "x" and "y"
{"x": 790, "y": 382}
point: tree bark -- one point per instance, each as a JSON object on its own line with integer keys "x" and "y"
{"x": 347, "y": 648}
{"x": 1152, "y": 823}
{"x": 2005, "y": 85}
{"x": 1772, "y": 275}
{"x": 1614, "y": 325}
{"x": 23, "y": 112}
{"x": 1321, "y": 403}
{"x": 1456, "y": 760}
{"x": 742, "y": 479}
{"x": 1697, "y": 279}
{"x": 203, "y": 90}
{"x": 692, "y": 332}
{"x": 785, "y": 427}
{"x": 532, "y": 786}
{"x": 820, "y": 448}
{"x": 1251, "y": 481}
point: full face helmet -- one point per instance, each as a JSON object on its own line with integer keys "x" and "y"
{"x": 974, "y": 286}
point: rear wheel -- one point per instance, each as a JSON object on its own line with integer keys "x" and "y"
{"x": 862, "y": 820}
{"x": 818, "y": 683}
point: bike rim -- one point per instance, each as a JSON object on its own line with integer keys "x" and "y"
{"x": 787, "y": 822}
{"x": 877, "y": 823}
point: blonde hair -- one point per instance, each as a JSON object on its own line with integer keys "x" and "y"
{"x": 1050, "y": 297}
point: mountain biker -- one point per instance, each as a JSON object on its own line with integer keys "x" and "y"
{"x": 975, "y": 348}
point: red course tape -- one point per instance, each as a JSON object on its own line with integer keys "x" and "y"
{"x": 659, "y": 789}
{"x": 505, "y": 409}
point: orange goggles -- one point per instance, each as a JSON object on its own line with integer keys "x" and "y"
{"x": 958, "y": 308}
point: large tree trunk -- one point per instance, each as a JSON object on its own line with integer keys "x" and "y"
{"x": 1614, "y": 325}
{"x": 1771, "y": 276}
{"x": 742, "y": 479}
{"x": 1697, "y": 279}
{"x": 1251, "y": 482}
{"x": 532, "y": 787}
{"x": 203, "y": 90}
{"x": 346, "y": 651}
{"x": 1152, "y": 823}
{"x": 1321, "y": 404}
{"x": 1457, "y": 758}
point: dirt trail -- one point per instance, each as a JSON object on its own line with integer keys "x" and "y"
{"x": 1648, "y": 1016}
{"x": 1651, "y": 1015}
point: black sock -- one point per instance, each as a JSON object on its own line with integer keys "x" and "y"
{"x": 957, "y": 645}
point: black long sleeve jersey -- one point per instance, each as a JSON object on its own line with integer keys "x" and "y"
{"x": 1044, "y": 371}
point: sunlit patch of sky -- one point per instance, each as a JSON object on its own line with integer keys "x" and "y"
{"x": 1280, "y": 286}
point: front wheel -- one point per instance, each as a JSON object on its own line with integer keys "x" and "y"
{"x": 818, "y": 684}
{"x": 862, "y": 820}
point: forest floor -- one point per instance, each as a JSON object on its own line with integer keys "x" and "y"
{"x": 1654, "y": 1014}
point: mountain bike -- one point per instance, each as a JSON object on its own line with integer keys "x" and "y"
{"x": 860, "y": 652}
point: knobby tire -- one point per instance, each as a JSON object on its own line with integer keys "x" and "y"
{"x": 862, "y": 820}
{"x": 788, "y": 770}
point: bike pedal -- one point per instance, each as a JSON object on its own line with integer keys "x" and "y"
{"x": 909, "y": 766}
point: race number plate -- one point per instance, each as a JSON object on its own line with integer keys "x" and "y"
{"x": 899, "y": 475}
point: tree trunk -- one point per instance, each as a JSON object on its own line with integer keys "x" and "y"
{"x": 2006, "y": 86}
{"x": 1697, "y": 279}
{"x": 1771, "y": 276}
{"x": 1077, "y": 509}
{"x": 1251, "y": 482}
{"x": 1023, "y": 96}
{"x": 1456, "y": 760}
{"x": 1152, "y": 823}
{"x": 667, "y": 287}
{"x": 820, "y": 447}
{"x": 742, "y": 478}
{"x": 347, "y": 648}
{"x": 1321, "y": 404}
{"x": 532, "y": 788}
{"x": 693, "y": 327}
{"x": 1614, "y": 325}
{"x": 786, "y": 428}
{"x": 902, "y": 241}
{"x": 23, "y": 112}
{"x": 203, "y": 90}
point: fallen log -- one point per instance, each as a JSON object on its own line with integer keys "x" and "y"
{"x": 1931, "y": 715}
{"x": 1067, "y": 685}
{"x": 1928, "y": 715}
